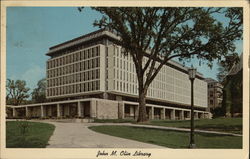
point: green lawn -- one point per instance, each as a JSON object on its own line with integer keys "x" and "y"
{"x": 232, "y": 125}
{"x": 36, "y": 135}
{"x": 171, "y": 139}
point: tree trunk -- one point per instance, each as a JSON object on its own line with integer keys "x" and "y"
{"x": 142, "y": 117}
{"x": 142, "y": 108}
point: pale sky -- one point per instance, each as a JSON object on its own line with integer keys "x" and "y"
{"x": 32, "y": 30}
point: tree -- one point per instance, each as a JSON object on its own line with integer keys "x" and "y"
{"x": 226, "y": 65}
{"x": 17, "y": 92}
{"x": 157, "y": 35}
{"x": 38, "y": 94}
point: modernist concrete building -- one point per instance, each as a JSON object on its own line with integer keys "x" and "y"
{"x": 90, "y": 77}
{"x": 215, "y": 93}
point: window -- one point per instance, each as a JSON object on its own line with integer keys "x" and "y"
{"x": 88, "y": 64}
{"x": 97, "y": 62}
{"x": 211, "y": 102}
{"x": 97, "y": 85}
{"x": 88, "y": 53}
{"x": 211, "y": 93}
{"x": 97, "y": 51}
{"x": 84, "y": 54}
{"x": 90, "y": 86}
{"x": 97, "y": 73}
{"x": 94, "y": 52}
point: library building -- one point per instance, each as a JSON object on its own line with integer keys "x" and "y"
{"x": 90, "y": 77}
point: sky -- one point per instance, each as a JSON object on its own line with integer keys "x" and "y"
{"x": 32, "y": 30}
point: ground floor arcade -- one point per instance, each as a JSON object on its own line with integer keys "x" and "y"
{"x": 100, "y": 109}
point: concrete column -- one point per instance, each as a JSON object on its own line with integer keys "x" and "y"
{"x": 121, "y": 110}
{"x": 58, "y": 110}
{"x": 42, "y": 111}
{"x": 189, "y": 114}
{"x": 196, "y": 115}
{"x": 14, "y": 112}
{"x": 131, "y": 111}
{"x": 152, "y": 112}
{"x": 210, "y": 115}
{"x": 163, "y": 116}
{"x": 26, "y": 111}
{"x": 93, "y": 109}
{"x": 150, "y": 115}
{"x": 79, "y": 112}
{"x": 136, "y": 111}
{"x": 172, "y": 114}
{"x": 182, "y": 115}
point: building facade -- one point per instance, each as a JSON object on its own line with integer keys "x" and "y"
{"x": 215, "y": 94}
{"x": 90, "y": 76}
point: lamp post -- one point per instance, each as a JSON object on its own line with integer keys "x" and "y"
{"x": 192, "y": 73}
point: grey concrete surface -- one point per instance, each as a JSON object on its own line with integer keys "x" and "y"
{"x": 77, "y": 135}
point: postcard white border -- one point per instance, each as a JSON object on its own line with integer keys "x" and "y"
{"x": 84, "y": 153}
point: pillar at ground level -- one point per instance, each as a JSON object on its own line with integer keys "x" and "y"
{"x": 79, "y": 111}
{"x": 136, "y": 111}
{"x": 152, "y": 113}
{"x": 196, "y": 115}
{"x": 14, "y": 113}
{"x": 93, "y": 108}
{"x": 163, "y": 115}
{"x": 58, "y": 110}
{"x": 121, "y": 110}
{"x": 26, "y": 111}
{"x": 42, "y": 111}
{"x": 172, "y": 114}
{"x": 181, "y": 114}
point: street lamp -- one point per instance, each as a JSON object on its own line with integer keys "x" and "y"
{"x": 192, "y": 73}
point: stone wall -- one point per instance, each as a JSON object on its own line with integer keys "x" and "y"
{"x": 104, "y": 109}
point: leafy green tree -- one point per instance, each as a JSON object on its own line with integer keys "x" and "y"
{"x": 38, "y": 94}
{"x": 17, "y": 92}
{"x": 158, "y": 34}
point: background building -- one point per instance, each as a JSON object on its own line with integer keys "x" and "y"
{"x": 89, "y": 76}
{"x": 215, "y": 93}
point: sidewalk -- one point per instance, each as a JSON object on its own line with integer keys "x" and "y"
{"x": 78, "y": 135}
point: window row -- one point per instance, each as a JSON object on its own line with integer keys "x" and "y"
{"x": 74, "y": 57}
{"x": 76, "y": 88}
{"x": 81, "y": 66}
{"x": 123, "y": 75}
{"x": 120, "y": 52}
{"x": 79, "y": 77}
{"x": 125, "y": 65}
{"x": 160, "y": 94}
{"x": 125, "y": 87}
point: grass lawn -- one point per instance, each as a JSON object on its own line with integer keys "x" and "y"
{"x": 232, "y": 125}
{"x": 171, "y": 139}
{"x": 35, "y": 135}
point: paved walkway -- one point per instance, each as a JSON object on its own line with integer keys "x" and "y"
{"x": 77, "y": 135}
